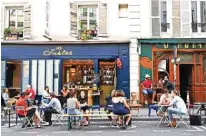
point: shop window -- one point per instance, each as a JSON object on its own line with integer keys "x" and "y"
{"x": 123, "y": 10}
{"x": 15, "y": 20}
{"x": 56, "y": 76}
{"x": 88, "y": 17}
{"x": 49, "y": 74}
{"x": 25, "y": 79}
{"x": 3, "y": 72}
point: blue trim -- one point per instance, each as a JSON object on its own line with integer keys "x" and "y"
{"x": 45, "y": 74}
{"x": 30, "y": 71}
{"x": 60, "y": 75}
{"x": 37, "y": 78}
{"x": 53, "y": 76}
{"x": 96, "y": 66}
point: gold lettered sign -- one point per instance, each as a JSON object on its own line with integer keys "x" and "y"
{"x": 186, "y": 46}
{"x": 58, "y": 51}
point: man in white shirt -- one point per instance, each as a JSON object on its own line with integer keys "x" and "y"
{"x": 181, "y": 107}
{"x": 54, "y": 106}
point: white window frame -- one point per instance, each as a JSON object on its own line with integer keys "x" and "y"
{"x": 119, "y": 15}
{"x": 198, "y": 33}
{"x": 87, "y": 6}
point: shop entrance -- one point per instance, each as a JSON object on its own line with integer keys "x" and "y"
{"x": 13, "y": 77}
{"x": 185, "y": 74}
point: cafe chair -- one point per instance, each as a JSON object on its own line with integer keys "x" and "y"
{"x": 180, "y": 118}
{"x": 25, "y": 120}
{"x": 58, "y": 118}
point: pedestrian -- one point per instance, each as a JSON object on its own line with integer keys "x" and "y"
{"x": 54, "y": 106}
{"x": 147, "y": 88}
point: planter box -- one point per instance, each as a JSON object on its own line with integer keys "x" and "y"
{"x": 12, "y": 37}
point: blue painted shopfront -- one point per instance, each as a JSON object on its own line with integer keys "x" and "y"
{"x": 54, "y": 53}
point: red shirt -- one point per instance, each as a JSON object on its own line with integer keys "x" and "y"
{"x": 28, "y": 91}
{"x": 147, "y": 83}
{"x": 21, "y": 102}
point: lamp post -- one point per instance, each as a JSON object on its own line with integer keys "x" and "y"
{"x": 174, "y": 61}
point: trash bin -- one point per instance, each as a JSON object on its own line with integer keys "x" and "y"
{"x": 195, "y": 120}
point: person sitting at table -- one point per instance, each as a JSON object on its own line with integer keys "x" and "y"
{"x": 120, "y": 107}
{"x": 180, "y": 110}
{"x": 160, "y": 83}
{"x": 54, "y": 106}
{"x": 31, "y": 93}
{"x": 83, "y": 100}
{"x": 168, "y": 84}
{"x": 45, "y": 95}
{"x": 64, "y": 95}
{"x": 165, "y": 99}
{"x": 5, "y": 95}
{"x": 108, "y": 106}
{"x": 73, "y": 106}
{"x": 29, "y": 111}
{"x": 147, "y": 88}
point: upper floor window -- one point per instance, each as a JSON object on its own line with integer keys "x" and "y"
{"x": 88, "y": 17}
{"x": 198, "y": 16}
{"x": 123, "y": 10}
{"x": 159, "y": 17}
{"x": 15, "y": 19}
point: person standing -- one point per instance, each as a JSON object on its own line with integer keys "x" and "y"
{"x": 147, "y": 88}
{"x": 180, "y": 110}
{"x": 168, "y": 84}
{"x": 54, "y": 106}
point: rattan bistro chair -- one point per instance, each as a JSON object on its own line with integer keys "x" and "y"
{"x": 25, "y": 120}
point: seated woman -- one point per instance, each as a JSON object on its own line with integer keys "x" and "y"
{"x": 45, "y": 95}
{"x": 73, "y": 107}
{"x": 64, "y": 95}
{"x": 5, "y": 95}
{"x": 108, "y": 106}
{"x": 83, "y": 100}
{"x": 120, "y": 106}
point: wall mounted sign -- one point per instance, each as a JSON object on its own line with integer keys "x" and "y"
{"x": 182, "y": 46}
{"x": 58, "y": 51}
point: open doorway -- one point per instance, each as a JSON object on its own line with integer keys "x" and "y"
{"x": 185, "y": 74}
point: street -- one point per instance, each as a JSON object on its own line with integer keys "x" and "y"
{"x": 138, "y": 128}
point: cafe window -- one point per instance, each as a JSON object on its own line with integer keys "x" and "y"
{"x": 87, "y": 17}
{"x": 15, "y": 19}
{"x": 41, "y": 76}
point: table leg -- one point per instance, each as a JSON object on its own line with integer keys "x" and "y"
{"x": 9, "y": 117}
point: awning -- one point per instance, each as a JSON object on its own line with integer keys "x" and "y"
{"x": 172, "y": 40}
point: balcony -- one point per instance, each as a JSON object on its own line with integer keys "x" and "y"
{"x": 196, "y": 25}
{"x": 164, "y": 27}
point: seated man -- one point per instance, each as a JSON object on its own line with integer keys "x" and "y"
{"x": 165, "y": 99}
{"x": 54, "y": 106}
{"x": 147, "y": 88}
{"x": 168, "y": 84}
{"x": 180, "y": 110}
{"x": 29, "y": 112}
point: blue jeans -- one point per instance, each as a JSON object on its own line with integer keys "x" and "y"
{"x": 74, "y": 112}
{"x": 174, "y": 111}
{"x": 146, "y": 92}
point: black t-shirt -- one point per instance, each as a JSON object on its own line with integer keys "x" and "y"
{"x": 82, "y": 100}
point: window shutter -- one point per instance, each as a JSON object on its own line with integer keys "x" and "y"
{"x": 176, "y": 18}
{"x": 27, "y": 21}
{"x": 2, "y": 22}
{"x": 155, "y": 18}
{"x": 73, "y": 19}
{"x": 185, "y": 18}
{"x": 103, "y": 19}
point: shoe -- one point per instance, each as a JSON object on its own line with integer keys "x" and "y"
{"x": 37, "y": 126}
{"x": 146, "y": 103}
{"x": 169, "y": 125}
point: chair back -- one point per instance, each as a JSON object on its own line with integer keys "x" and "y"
{"x": 20, "y": 108}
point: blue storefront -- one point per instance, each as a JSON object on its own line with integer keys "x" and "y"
{"x": 42, "y": 63}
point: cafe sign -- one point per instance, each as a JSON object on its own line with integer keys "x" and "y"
{"x": 58, "y": 51}
{"x": 183, "y": 46}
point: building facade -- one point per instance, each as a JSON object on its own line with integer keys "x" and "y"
{"x": 109, "y": 23}
{"x": 169, "y": 29}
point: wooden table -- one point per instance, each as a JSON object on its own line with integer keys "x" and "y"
{"x": 135, "y": 106}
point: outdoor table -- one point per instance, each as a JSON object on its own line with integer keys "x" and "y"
{"x": 202, "y": 107}
{"x": 164, "y": 116}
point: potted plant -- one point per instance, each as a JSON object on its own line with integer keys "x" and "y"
{"x": 11, "y": 33}
{"x": 7, "y": 31}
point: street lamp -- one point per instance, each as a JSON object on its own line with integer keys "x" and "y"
{"x": 175, "y": 60}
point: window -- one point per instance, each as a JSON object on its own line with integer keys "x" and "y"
{"x": 203, "y": 15}
{"x": 163, "y": 16}
{"x": 88, "y": 17}
{"x": 123, "y": 10}
{"x": 15, "y": 19}
{"x": 194, "y": 16}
